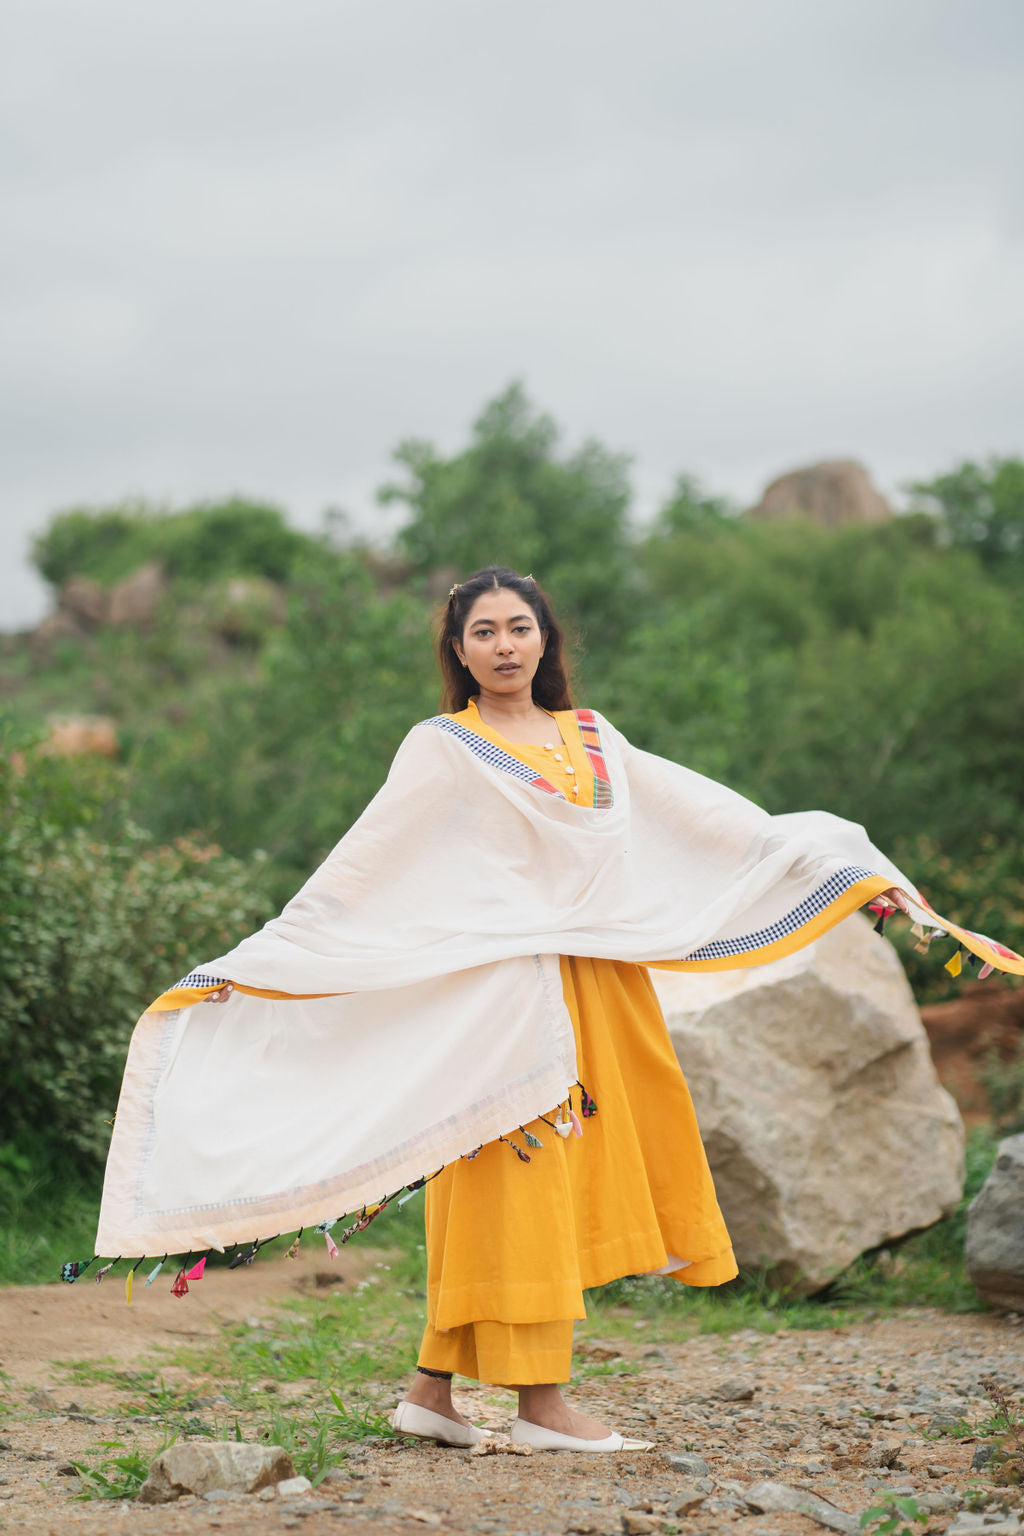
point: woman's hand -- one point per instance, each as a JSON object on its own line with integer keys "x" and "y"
{"x": 894, "y": 898}
{"x": 222, "y": 994}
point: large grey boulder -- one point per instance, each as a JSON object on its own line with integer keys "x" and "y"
{"x": 202, "y": 1467}
{"x": 995, "y": 1230}
{"x": 825, "y": 1125}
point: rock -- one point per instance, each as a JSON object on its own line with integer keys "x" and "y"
{"x": 43, "y": 1399}
{"x": 983, "y": 1455}
{"x": 81, "y": 736}
{"x": 771, "y": 1498}
{"x": 637, "y": 1525}
{"x": 989, "y": 1524}
{"x": 734, "y": 1392}
{"x": 197, "y": 1467}
{"x": 291, "y": 1487}
{"x": 687, "y": 1461}
{"x": 939, "y": 1422}
{"x": 995, "y": 1230}
{"x": 939, "y": 1503}
{"x": 85, "y": 600}
{"x": 876, "y": 1149}
{"x": 687, "y": 1498}
{"x": 54, "y": 628}
{"x": 135, "y": 599}
{"x": 265, "y": 1495}
{"x": 424, "y": 1516}
{"x": 885, "y": 1455}
{"x": 833, "y": 493}
{"x": 244, "y": 608}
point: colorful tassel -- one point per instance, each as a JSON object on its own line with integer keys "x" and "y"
{"x": 180, "y": 1286}
{"x": 955, "y": 964}
{"x": 156, "y": 1270}
{"x": 332, "y": 1247}
{"x": 196, "y": 1272}
{"x": 69, "y": 1273}
{"x": 469, "y": 1156}
{"x": 524, "y": 1157}
{"x": 986, "y": 970}
{"x": 105, "y": 1270}
{"x": 574, "y": 1121}
{"x": 588, "y": 1106}
{"x": 532, "y": 1140}
{"x": 563, "y": 1128}
{"x": 413, "y": 1189}
{"x": 293, "y": 1248}
{"x": 129, "y": 1281}
{"x": 246, "y": 1258}
{"x": 917, "y": 930}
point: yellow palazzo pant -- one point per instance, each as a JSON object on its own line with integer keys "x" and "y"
{"x": 512, "y": 1246}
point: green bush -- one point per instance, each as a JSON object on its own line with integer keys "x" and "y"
{"x": 96, "y": 920}
{"x": 199, "y": 544}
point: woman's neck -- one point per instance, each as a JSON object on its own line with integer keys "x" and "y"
{"x": 515, "y": 716}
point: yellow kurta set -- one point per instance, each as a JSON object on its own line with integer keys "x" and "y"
{"x": 512, "y": 1246}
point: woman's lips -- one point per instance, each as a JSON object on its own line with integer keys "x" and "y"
{"x": 508, "y": 667}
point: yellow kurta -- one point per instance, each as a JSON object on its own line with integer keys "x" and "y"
{"x": 512, "y": 1246}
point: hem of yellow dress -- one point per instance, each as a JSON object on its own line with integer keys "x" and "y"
{"x": 717, "y": 1271}
{"x": 508, "y": 1360}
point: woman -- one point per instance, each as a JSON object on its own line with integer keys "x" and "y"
{"x": 467, "y": 970}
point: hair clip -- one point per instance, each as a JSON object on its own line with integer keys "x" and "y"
{"x": 455, "y": 588}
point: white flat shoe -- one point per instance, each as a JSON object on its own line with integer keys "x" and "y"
{"x": 425, "y": 1424}
{"x": 525, "y": 1433}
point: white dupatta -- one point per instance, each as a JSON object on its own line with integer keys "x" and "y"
{"x": 406, "y": 1005}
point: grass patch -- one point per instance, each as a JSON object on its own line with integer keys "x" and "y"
{"x": 43, "y": 1222}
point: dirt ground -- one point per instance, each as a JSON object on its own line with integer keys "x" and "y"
{"x": 822, "y": 1411}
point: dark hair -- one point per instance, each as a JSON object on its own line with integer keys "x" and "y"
{"x": 551, "y": 681}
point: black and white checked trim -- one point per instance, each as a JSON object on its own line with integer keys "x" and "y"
{"x": 802, "y": 913}
{"x": 200, "y": 979}
{"x": 495, "y": 756}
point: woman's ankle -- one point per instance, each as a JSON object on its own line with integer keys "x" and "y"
{"x": 430, "y": 1390}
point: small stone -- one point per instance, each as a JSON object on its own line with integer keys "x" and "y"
{"x": 687, "y": 1461}
{"x": 687, "y": 1498}
{"x": 734, "y": 1392}
{"x": 67, "y": 1469}
{"x": 43, "y": 1399}
{"x": 291, "y": 1487}
{"x": 266, "y": 1495}
{"x": 983, "y": 1455}
{"x": 937, "y": 1473}
{"x": 219, "y": 1495}
{"x": 636, "y": 1525}
{"x": 76, "y": 1407}
{"x": 887, "y": 1454}
{"x": 944, "y": 1421}
{"x": 424, "y": 1516}
{"x": 196, "y": 1467}
{"x": 770, "y": 1498}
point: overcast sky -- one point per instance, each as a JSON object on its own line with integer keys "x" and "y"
{"x": 249, "y": 246}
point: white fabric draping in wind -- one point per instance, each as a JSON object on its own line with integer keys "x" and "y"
{"x": 423, "y": 1012}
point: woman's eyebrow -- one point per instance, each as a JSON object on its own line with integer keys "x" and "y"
{"x": 516, "y": 619}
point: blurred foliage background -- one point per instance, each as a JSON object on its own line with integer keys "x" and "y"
{"x": 876, "y": 671}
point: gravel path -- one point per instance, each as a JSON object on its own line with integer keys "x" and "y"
{"x": 845, "y": 1414}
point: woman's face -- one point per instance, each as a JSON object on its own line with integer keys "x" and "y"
{"x": 502, "y": 643}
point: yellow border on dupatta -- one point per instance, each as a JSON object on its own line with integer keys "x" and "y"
{"x": 855, "y": 896}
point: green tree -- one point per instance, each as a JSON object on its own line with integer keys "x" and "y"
{"x": 510, "y": 498}
{"x": 981, "y": 507}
